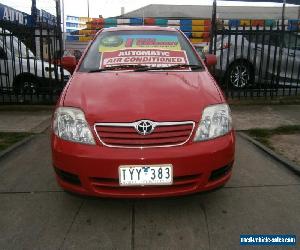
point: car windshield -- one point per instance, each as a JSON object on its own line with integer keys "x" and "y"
{"x": 151, "y": 49}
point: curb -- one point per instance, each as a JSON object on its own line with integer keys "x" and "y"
{"x": 42, "y": 127}
{"x": 13, "y": 147}
{"x": 287, "y": 163}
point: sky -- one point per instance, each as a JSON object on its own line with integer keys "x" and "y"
{"x": 108, "y": 8}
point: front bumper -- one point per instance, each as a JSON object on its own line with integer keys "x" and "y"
{"x": 93, "y": 170}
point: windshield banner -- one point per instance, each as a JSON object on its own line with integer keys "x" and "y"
{"x": 119, "y": 42}
{"x": 149, "y": 57}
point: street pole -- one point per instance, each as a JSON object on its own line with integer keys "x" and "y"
{"x": 283, "y": 14}
{"x": 60, "y": 39}
{"x": 63, "y": 14}
{"x": 88, "y": 7}
{"x": 63, "y": 17}
{"x": 213, "y": 26}
{"x": 33, "y": 23}
{"x": 33, "y": 12}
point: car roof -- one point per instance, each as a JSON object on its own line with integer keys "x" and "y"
{"x": 138, "y": 28}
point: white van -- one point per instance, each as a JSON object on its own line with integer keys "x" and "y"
{"x": 22, "y": 72}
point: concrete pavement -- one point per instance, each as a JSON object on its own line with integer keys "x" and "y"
{"x": 264, "y": 116}
{"x": 24, "y": 121}
{"x": 261, "y": 197}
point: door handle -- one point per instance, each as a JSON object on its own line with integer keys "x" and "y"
{"x": 292, "y": 54}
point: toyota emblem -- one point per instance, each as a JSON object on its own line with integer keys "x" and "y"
{"x": 145, "y": 127}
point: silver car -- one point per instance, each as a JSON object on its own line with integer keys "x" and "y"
{"x": 247, "y": 59}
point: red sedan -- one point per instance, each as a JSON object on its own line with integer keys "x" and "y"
{"x": 142, "y": 117}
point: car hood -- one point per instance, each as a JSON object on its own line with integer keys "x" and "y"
{"x": 130, "y": 96}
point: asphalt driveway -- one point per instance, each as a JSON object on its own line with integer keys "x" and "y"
{"x": 262, "y": 197}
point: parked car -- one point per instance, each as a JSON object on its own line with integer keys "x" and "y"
{"x": 245, "y": 59}
{"x": 142, "y": 117}
{"x": 21, "y": 71}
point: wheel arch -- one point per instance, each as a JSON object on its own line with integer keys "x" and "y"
{"x": 240, "y": 60}
{"x": 23, "y": 75}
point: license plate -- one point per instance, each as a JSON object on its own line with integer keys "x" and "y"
{"x": 142, "y": 175}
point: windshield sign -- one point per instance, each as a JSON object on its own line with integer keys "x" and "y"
{"x": 149, "y": 57}
{"x": 150, "y": 50}
{"x": 118, "y": 42}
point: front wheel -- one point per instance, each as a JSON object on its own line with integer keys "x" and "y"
{"x": 26, "y": 85}
{"x": 239, "y": 75}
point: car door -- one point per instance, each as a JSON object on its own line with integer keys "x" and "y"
{"x": 268, "y": 53}
{"x": 290, "y": 58}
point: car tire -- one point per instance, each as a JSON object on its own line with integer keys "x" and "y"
{"x": 26, "y": 84}
{"x": 239, "y": 75}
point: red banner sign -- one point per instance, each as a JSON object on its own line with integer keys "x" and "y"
{"x": 149, "y": 57}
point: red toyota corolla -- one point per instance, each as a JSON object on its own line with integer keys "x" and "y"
{"x": 142, "y": 117}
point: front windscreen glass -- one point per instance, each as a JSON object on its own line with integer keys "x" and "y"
{"x": 153, "y": 49}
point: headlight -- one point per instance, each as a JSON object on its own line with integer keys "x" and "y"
{"x": 216, "y": 121}
{"x": 70, "y": 124}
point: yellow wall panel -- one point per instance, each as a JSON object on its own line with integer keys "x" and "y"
{"x": 198, "y": 22}
{"x": 85, "y": 38}
{"x": 198, "y": 28}
{"x": 245, "y": 22}
{"x": 198, "y": 40}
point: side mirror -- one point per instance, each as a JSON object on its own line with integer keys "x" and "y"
{"x": 69, "y": 63}
{"x": 210, "y": 60}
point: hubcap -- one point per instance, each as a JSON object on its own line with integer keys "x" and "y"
{"x": 240, "y": 76}
{"x": 28, "y": 88}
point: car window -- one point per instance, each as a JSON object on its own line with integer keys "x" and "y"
{"x": 292, "y": 41}
{"x": 21, "y": 50}
{"x": 14, "y": 46}
{"x": 151, "y": 48}
{"x": 265, "y": 39}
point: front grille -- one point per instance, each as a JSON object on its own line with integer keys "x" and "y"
{"x": 111, "y": 185}
{"x": 125, "y": 134}
{"x": 111, "y": 182}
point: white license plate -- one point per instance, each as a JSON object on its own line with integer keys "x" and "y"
{"x": 142, "y": 175}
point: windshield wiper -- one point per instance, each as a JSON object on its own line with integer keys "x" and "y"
{"x": 176, "y": 66}
{"x": 127, "y": 66}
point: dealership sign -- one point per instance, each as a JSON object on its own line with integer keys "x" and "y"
{"x": 12, "y": 15}
{"x": 45, "y": 17}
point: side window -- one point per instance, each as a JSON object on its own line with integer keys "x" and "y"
{"x": 275, "y": 40}
{"x": 269, "y": 39}
{"x": 264, "y": 39}
{"x": 3, "y": 54}
{"x": 292, "y": 41}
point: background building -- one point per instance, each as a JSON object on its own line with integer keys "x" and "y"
{"x": 193, "y": 20}
{"x": 74, "y": 23}
{"x": 205, "y": 11}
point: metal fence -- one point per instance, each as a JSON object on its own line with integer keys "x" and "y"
{"x": 261, "y": 61}
{"x": 29, "y": 63}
